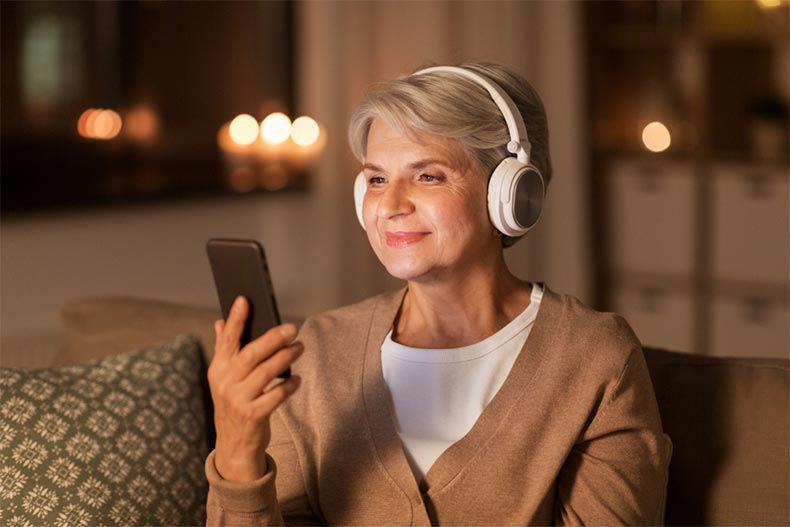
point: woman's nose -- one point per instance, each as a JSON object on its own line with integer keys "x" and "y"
{"x": 394, "y": 201}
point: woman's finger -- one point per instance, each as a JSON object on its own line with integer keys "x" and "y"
{"x": 266, "y": 371}
{"x": 233, "y": 327}
{"x": 263, "y": 347}
{"x": 219, "y": 351}
{"x": 268, "y": 402}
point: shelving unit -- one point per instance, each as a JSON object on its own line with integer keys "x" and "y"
{"x": 692, "y": 242}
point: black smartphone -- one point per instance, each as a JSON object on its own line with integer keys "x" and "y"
{"x": 239, "y": 268}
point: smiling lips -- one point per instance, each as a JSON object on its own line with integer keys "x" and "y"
{"x": 402, "y": 239}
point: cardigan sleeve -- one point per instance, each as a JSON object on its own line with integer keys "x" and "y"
{"x": 616, "y": 473}
{"x": 277, "y": 498}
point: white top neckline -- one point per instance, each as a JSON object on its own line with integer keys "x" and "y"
{"x": 472, "y": 351}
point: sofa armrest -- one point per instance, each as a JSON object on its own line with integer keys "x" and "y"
{"x": 729, "y": 422}
{"x": 97, "y": 327}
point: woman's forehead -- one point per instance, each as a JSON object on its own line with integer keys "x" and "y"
{"x": 386, "y": 143}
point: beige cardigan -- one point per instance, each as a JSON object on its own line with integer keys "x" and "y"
{"x": 572, "y": 437}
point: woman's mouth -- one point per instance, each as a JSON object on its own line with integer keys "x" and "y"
{"x": 402, "y": 238}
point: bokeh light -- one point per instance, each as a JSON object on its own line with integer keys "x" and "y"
{"x": 90, "y": 123}
{"x": 242, "y": 179}
{"x": 243, "y": 129}
{"x": 99, "y": 123}
{"x": 304, "y": 131}
{"x": 141, "y": 123}
{"x": 117, "y": 123}
{"x": 276, "y": 128}
{"x": 769, "y": 4}
{"x": 274, "y": 177}
{"x": 104, "y": 124}
{"x": 656, "y": 137}
{"x": 82, "y": 122}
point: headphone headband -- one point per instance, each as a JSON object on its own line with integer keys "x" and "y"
{"x": 515, "y": 123}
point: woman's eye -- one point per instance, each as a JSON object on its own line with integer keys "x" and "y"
{"x": 429, "y": 178}
{"x": 375, "y": 180}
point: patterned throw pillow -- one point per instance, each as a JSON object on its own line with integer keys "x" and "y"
{"x": 116, "y": 441}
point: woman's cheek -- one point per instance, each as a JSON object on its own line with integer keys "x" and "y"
{"x": 369, "y": 215}
{"x": 371, "y": 227}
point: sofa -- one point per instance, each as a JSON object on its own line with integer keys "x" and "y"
{"x": 727, "y": 417}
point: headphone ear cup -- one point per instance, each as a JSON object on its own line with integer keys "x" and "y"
{"x": 360, "y": 187}
{"x": 515, "y": 197}
{"x": 528, "y": 198}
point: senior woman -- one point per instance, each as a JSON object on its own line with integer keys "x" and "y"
{"x": 467, "y": 398}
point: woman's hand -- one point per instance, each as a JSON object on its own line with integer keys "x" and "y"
{"x": 237, "y": 378}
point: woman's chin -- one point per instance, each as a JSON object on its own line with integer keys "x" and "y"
{"x": 408, "y": 271}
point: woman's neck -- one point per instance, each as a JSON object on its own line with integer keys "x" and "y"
{"x": 460, "y": 310}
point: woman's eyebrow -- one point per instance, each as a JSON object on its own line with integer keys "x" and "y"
{"x": 417, "y": 165}
{"x": 371, "y": 166}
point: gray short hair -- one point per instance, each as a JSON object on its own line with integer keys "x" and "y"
{"x": 455, "y": 107}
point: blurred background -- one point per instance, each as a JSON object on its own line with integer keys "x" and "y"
{"x": 131, "y": 132}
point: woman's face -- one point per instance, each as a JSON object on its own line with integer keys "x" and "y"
{"x": 425, "y": 208}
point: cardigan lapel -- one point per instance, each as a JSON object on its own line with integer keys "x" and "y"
{"x": 377, "y": 400}
{"x": 381, "y": 414}
{"x": 522, "y": 375}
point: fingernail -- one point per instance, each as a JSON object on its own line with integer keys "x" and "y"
{"x": 237, "y": 302}
{"x": 288, "y": 331}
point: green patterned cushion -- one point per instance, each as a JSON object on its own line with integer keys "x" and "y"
{"x": 116, "y": 441}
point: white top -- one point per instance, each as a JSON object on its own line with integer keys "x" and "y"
{"x": 438, "y": 394}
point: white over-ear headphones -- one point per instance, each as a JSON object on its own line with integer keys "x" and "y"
{"x": 516, "y": 188}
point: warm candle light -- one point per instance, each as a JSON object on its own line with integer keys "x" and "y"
{"x": 279, "y": 158}
{"x": 656, "y": 137}
{"x": 304, "y": 131}
{"x": 242, "y": 179}
{"x": 82, "y": 122}
{"x": 769, "y": 4}
{"x": 102, "y": 125}
{"x": 116, "y": 124}
{"x": 142, "y": 123}
{"x": 90, "y": 123}
{"x": 106, "y": 125}
{"x": 243, "y": 129}
{"x": 99, "y": 124}
{"x": 276, "y": 128}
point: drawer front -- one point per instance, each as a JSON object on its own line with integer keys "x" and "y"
{"x": 750, "y": 326}
{"x": 660, "y": 317}
{"x": 651, "y": 217}
{"x": 751, "y": 227}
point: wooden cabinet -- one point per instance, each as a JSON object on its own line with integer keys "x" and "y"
{"x": 751, "y": 227}
{"x": 692, "y": 243}
{"x": 660, "y": 315}
{"x": 750, "y": 324}
{"x": 651, "y": 216}
{"x": 693, "y": 271}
